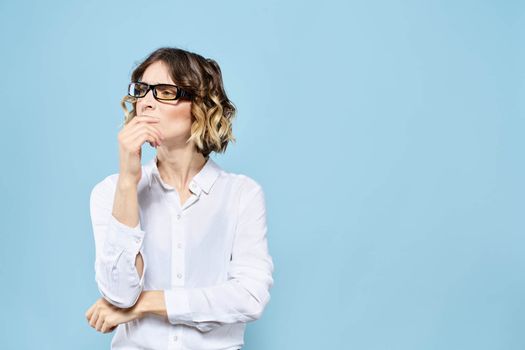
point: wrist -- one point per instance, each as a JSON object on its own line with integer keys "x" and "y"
{"x": 125, "y": 183}
{"x": 142, "y": 306}
{"x": 151, "y": 302}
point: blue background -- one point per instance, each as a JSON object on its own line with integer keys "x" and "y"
{"x": 387, "y": 135}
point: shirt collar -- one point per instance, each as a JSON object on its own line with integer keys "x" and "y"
{"x": 203, "y": 180}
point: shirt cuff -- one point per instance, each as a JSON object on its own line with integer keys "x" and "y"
{"x": 121, "y": 235}
{"x": 177, "y": 305}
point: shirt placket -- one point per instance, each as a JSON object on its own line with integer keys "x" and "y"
{"x": 178, "y": 249}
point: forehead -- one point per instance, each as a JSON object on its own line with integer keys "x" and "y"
{"x": 157, "y": 73}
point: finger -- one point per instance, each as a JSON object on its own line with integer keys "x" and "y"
{"x": 155, "y": 130}
{"x": 94, "y": 318}
{"x": 100, "y": 322}
{"x": 132, "y": 129}
{"x": 105, "y": 327}
{"x": 132, "y": 135}
{"x": 140, "y": 123}
{"x": 89, "y": 312}
{"x": 158, "y": 135}
{"x": 135, "y": 142}
{"x": 144, "y": 118}
{"x": 136, "y": 122}
{"x": 143, "y": 137}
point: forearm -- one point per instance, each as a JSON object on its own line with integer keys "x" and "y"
{"x": 126, "y": 211}
{"x": 152, "y": 302}
{"x": 126, "y": 205}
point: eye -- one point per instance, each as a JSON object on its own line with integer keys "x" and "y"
{"x": 137, "y": 89}
{"x": 167, "y": 91}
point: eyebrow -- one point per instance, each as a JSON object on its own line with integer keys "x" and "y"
{"x": 157, "y": 83}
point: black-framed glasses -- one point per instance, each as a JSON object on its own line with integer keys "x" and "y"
{"x": 162, "y": 92}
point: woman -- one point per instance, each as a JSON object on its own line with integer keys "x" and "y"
{"x": 182, "y": 257}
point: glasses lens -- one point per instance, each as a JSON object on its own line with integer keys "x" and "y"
{"x": 137, "y": 89}
{"x": 166, "y": 92}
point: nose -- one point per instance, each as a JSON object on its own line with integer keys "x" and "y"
{"x": 147, "y": 102}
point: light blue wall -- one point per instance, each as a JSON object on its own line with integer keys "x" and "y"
{"x": 388, "y": 136}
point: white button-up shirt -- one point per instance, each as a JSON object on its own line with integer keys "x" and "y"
{"x": 209, "y": 256}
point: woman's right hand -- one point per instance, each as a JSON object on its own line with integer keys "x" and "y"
{"x": 133, "y": 135}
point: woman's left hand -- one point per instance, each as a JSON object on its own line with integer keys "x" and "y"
{"x": 105, "y": 317}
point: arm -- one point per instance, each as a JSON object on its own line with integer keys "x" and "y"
{"x": 243, "y": 297}
{"x": 126, "y": 210}
{"x": 119, "y": 267}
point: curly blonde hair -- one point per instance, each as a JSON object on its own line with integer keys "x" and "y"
{"x": 212, "y": 111}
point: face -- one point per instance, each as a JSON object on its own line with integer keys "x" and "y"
{"x": 175, "y": 116}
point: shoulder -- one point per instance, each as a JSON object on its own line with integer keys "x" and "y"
{"x": 241, "y": 182}
{"x": 105, "y": 184}
{"x": 249, "y": 184}
{"x": 248, "y": 190}
{"x": 103, "y": 190}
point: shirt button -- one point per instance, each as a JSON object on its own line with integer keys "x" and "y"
{"x": 137, "y": 240}
{"x": 178, "y": 216}
{"x": 179, "y": 245}
{"x": 179, "y": 275}
{"x": 175, "y": 338}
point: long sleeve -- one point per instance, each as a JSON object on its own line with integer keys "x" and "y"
{"x": 117, "y": 246}
{"x": 245, "y": 294}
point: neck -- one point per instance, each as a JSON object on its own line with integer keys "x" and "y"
{"x": 177, "y": 166}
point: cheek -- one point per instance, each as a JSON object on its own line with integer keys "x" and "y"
{"x": 180, "y": 112}
{"x": 177, "y": 120}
